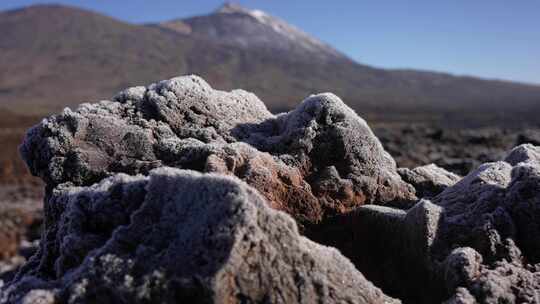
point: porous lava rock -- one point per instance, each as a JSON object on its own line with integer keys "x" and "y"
{"x": 428, "y": 180}
{"x": 477, "y": 241}
{"x": 318, "y": 160}
{"x": 125, "y": 221}
{"x": 178, "y": 236}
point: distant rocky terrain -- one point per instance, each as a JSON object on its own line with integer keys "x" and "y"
{"x": 177, "y": 192}
{"x": 455, "y": 149}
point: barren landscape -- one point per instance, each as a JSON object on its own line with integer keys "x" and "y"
{"x": 274, "y": 169}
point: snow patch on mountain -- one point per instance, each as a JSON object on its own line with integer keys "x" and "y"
{"x": 278, "y": 25}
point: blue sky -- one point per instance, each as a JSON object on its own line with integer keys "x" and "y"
{"x": 487, "y": 38}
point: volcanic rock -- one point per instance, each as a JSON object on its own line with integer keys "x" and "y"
{"x": 428, "y": 180}
{"x": 318, "y": 160}
{"x": 478, "y": 239}
{"x": 179, "y": 236}
{"x": 119, "y": 230}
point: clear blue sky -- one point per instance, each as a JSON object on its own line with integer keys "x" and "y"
{"x": 488, "y": 38}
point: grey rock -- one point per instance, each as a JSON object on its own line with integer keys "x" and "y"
{"x": 506, "y": 282}
{"x": 170, "y": 235}
{"x": 498, "y": 201}
{"x": 179, "y": 236}
{"x": 318, "y": 160}
{"x": 428, "y": 180}
{"x": 38, "y": 296}
{"x": 496, "y": 211}
{"x": 523, "y": 153}
{"x": 477, "y": 241}
{"x": 462, "y": 266}
{"x": 461, "y": 296}
{"x": 391, "y": 247}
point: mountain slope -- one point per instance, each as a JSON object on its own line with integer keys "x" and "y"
{"x": 300, "y": 64}
{"x": 56, "y": 55}
{"x": 53, "y": 56}
{"x": 237, "y": 26}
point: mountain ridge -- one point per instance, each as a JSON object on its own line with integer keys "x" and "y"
{"x": 56, "y": 55}
{"x": 227, "y": 25}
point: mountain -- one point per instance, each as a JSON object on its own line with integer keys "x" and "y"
{"x": 54, "y": 56}
{"x": 236, "y": 26}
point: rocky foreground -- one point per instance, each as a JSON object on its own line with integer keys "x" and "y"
{"x": 178, "y": 193}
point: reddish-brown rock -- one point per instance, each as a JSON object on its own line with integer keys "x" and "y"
{"x": 316, "y": 161}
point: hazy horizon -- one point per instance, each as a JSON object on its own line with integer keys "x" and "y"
{"x": 500, "y": 43}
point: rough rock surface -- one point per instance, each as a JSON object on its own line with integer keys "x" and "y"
{"x": 179, "y": 236}
{"x": 169, "y": 235}
{"x": 319, "y": 159}
{"x": 428, "y": 180}
{"x": 478, "y": 240}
